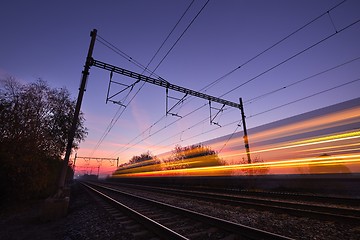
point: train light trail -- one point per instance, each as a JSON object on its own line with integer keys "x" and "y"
{"x": 322, "y": 161}
{"x": 320, "y": 140}
{"x": 325, "y": 141}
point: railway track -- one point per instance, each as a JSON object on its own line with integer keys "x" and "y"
{"x": 165, "y": 221}
{"x": 348, "y": 201}
{"x": 337, "y": 214}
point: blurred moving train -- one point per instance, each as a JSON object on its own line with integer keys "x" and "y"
{"x": 323, "y": 141}
{"x": 316, "y": 152}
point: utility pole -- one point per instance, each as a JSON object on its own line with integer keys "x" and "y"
{"x": 246, "y": 140}
{"x": 72, "y": 131}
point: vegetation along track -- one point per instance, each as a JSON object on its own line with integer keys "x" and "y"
{"x": 170, "y": 222}
{"x": 329, "y": 212}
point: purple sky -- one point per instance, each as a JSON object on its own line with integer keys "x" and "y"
{"x": 49, "y": 40}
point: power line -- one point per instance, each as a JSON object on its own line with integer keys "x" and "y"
{"x": 303, "y": 98}
{"x": 269, "y": 110}
{"x": 272, "y": 46}
{"x": 172, "y": 30}
{"x": 267, "y": 94}
{"x": 308, "y": 48}
{"x": 126, "y": 56}
{"x": 293, "y": 56}
{"x": 182, "y": 34}
{"x": 126, "y": 148}
{"x": 299, "y": 81}
{"x": 288, "y": 59}
{"x": 267, "y": 49}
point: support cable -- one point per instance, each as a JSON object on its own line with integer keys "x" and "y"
{"x": 282, "y": 88}
{"x": 172, "y": 30}
{"x": 267, "y": 49}
{"x": 272, "y": 46}
{"x": 126, "y": 56}
{"x": 182, "y": 34}
{"x": 298, "y": 53}
{"x": 293, "y": 56}
{"x": 303, "y": 98}
{"x": 123, "y": 149}
{"x": 255, "y": 115}
{"x": 300, "y": 81}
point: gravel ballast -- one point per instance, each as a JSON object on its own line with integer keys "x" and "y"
{"x": 87, "y": 219}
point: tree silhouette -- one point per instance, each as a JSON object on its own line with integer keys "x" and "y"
{"x": 35, "y": 121}
{"x": 192, "y": 156}
{"x": 256, "y": 170}
{"x": 144, "y": 163}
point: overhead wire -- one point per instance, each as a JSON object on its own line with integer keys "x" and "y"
{"x": 266, "y": 111}
{"x": 252, "y": 100}
{"x": 154, "y": 133}
{"x": 309, "y": 96}
{"x": 171, "y": 32}
{"x": 127, "y": 57}
{"x": 272, "y": 46}
{"x": 269, "y": 48}
{"x": 158, "y": 50}
{"x": 283, "y": 61}
{"x": 182, "y": 34}
{"x": 293, "y": 56}
{"x": 299, "y": 81}
{"x": 267, "y": 94}
{"x": 145, "y": 69}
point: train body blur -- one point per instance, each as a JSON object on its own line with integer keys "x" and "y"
{"x": 317, "y": 151}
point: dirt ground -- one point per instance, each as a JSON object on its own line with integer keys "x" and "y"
{"x": 85, "y": 220}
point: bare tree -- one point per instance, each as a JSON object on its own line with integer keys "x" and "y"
{"x": 192, "y": 156}
{"x": 35, "y": 121}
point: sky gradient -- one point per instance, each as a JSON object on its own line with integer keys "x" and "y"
{"x": 49, "y": 40}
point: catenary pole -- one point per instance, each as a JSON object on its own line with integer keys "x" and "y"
{"x": 246, "y": 140}
{"x": 85, "y": 74}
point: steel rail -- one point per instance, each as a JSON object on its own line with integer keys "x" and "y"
{"x": 351, "y": 216}
{"x": 239, "y": 229}
{"x": 151, "y": 225}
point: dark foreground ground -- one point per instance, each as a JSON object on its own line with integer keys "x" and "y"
{"x": 85, "y": 220}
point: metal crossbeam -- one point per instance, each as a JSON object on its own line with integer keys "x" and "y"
{"x": 160, "y": 82}
{"x": 99, "y": 160}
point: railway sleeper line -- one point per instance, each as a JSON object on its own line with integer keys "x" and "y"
{"x": 350, "y": 201}
{"x": 351, "y": 216}
{"x": 139, "y": 225}
{"x": 185, "y": 224}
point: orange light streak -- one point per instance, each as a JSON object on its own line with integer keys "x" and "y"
{"x": 302, "y": 153}
{"x": 333, "y": 147}
{"x": 328, "y": 120}
{"x": 321, "y": 140}
{"x": 225, "y": 170}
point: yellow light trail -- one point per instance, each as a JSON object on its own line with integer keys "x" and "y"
{"x": 226, "y": 170}
{"x": 333, "y": 147}
{"x": 318, "y": 123}
{"x": 309, "y": 142}
{"x": 287, "y": 155}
